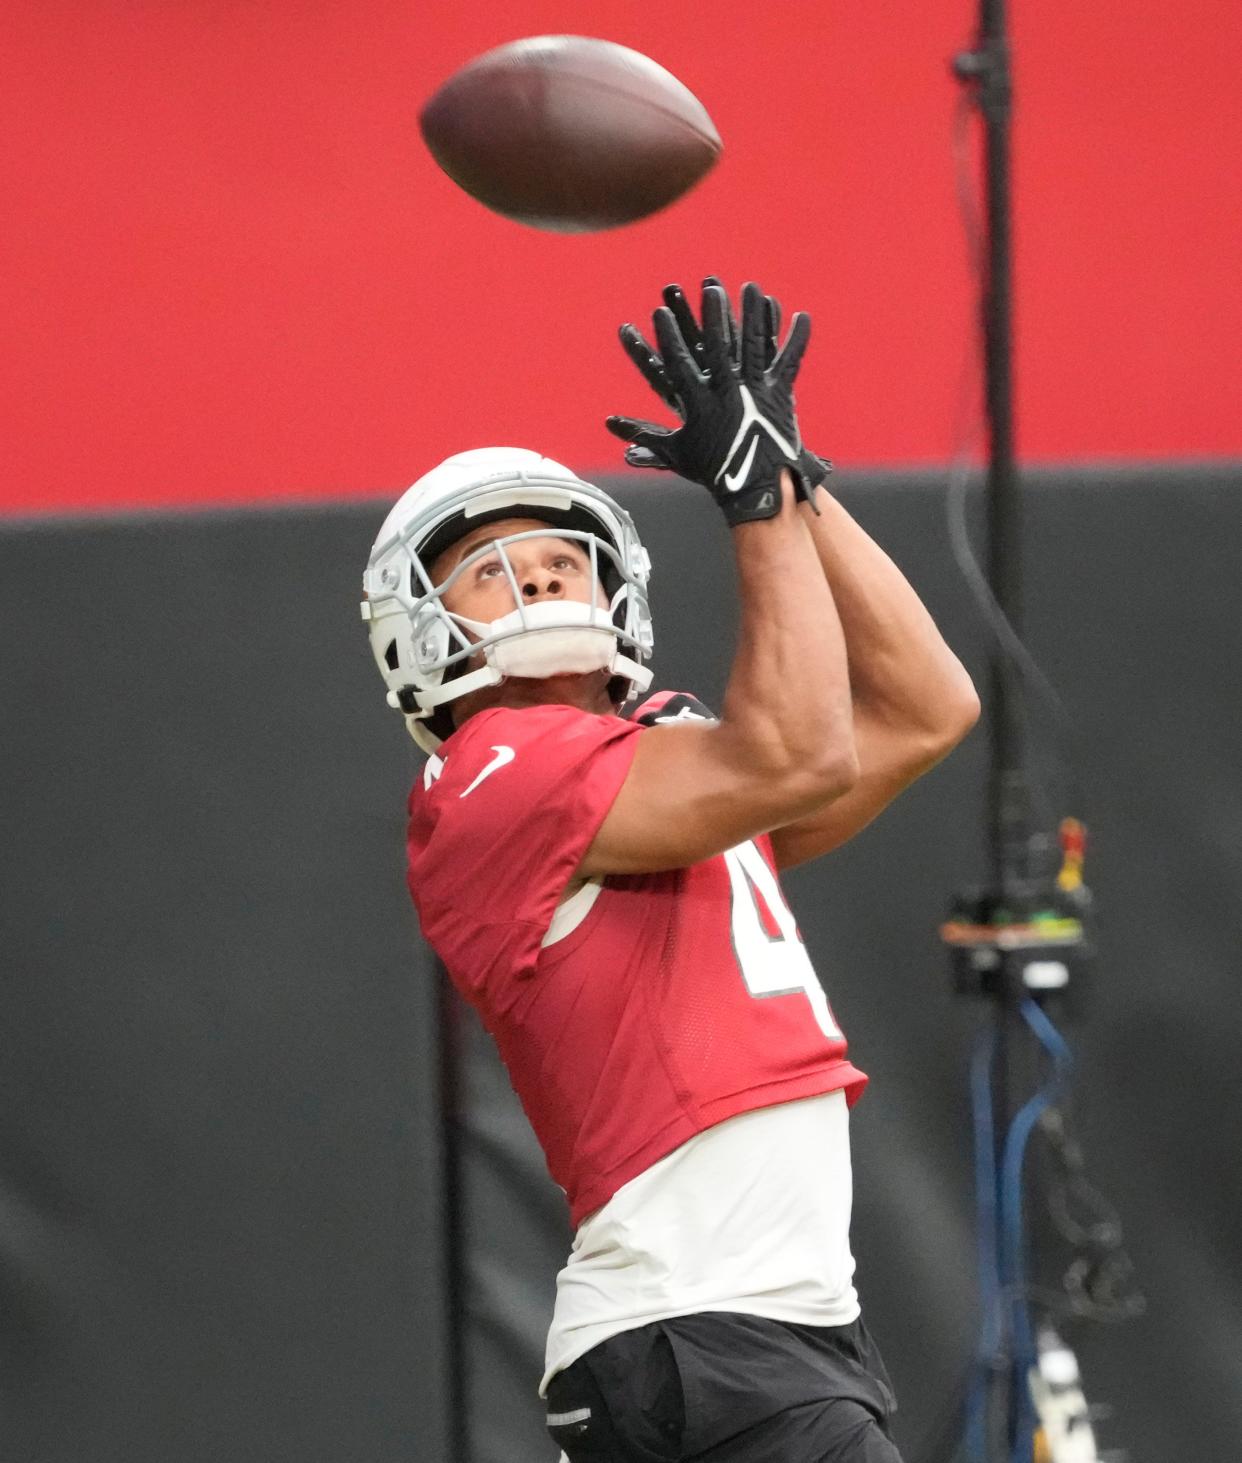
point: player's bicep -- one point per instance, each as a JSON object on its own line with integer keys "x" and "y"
{"x": 690, "y": 793}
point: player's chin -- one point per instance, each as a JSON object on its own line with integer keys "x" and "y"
{"x": 588, "y": 689}
{"x": 561, "y": 678}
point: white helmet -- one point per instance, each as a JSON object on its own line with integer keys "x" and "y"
{"x": 422, "y": 650}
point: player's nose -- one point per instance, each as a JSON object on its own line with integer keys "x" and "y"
{"x": 539, "y": 583}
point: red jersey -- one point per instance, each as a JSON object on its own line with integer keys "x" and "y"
{"x": 664, "y": 1004}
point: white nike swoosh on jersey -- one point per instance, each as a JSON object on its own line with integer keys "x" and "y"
{"x": 504, "y": 755}
{"x": 734, "y": 480}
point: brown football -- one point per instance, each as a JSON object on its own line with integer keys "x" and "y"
{"x": 569, "y": 133}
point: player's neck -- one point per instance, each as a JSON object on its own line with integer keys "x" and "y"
{"x": 586, "y": 692}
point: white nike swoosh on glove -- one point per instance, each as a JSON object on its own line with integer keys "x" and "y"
{"x": 751, "y": 416}
{"x": 734, "y": 480}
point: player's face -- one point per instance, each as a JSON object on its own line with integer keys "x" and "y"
{"x": 545, "y": 568}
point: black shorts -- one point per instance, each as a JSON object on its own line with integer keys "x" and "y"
{"x": 725, "y": 1388}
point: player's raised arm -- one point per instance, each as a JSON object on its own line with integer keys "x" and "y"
{"x": 913, "y": 699}
{"x": 784, "y": 744}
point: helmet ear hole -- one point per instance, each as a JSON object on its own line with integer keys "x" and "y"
{"x": 391, "y": 659}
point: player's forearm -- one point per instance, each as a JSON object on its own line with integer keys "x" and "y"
{"x": 788, "y": 697}
{"x": 901, "y": 670}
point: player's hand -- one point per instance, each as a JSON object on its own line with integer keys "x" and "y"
{"x": 739, "y": 428}
{"x": 810, "y": 470}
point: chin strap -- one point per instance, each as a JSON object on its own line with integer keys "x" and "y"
{"x": 486, "y": 675}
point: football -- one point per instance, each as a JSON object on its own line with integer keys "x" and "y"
{"x": 569, "y": 133}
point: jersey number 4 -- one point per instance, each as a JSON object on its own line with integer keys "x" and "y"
{"x": 769, "y": 949}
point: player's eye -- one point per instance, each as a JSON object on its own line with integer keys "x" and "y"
{"x": 488, "y": 569}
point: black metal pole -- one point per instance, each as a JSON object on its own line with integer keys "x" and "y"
{"x": 1004, "y": 538}
{"x": 1008, "y": 813}
{"x": 987, "y": 69}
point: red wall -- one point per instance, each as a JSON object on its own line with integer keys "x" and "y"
{"x": 231, "y": 271}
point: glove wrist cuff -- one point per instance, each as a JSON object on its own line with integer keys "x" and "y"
{"x": 811, "y": 472}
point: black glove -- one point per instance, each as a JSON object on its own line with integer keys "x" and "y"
{"x": 810, "y": 470}
{"x": 739, "y": 427}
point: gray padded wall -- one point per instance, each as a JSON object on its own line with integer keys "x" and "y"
{"x": 221, "y": 1177}
{"x": 219, "y": 1136}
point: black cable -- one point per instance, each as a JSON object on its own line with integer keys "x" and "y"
{"x": 967, "y": 435}
{"x": 1099, "y": 1282}
{"x": 945, "y": 1442}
